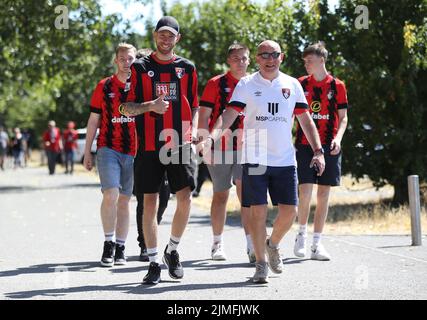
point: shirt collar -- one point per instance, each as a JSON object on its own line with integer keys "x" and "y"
{"x": 266, "y": 82}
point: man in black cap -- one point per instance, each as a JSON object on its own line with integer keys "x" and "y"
{"x": 164, "y": 140}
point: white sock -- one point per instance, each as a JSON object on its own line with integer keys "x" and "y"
{"x": 249, "y": 244}
{"x": 153, "y": 256}
{"x": 109, "y": 236}
{"x": 303, "y": 229}
{"x": 316, "y": 239}
{"x": 217, "y": 240}
{"x": 120, "y": 242}
{"x": 173, "y": 244}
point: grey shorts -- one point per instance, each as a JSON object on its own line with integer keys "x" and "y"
{"x": 224, "y": 174}
{"x": 115, "y": 170}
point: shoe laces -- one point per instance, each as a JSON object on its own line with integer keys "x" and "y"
{"x": 175, "y": 258}
{"x": 276, "y": 256}
{"x": 320, "y": 248}
{"x": 217, "y": 247}
{"x": 277, "y": 259}
{"x": 259, "y": 267}
{"x": 153, "y": 267}
{"x": 300, "y": 239}
{"x": 108, "y": 248}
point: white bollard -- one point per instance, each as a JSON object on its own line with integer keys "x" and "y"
{"x": 414, "y": 205}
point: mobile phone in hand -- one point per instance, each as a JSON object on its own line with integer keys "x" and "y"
{"x": 316, "y": 168}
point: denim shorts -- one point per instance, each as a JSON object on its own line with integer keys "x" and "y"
{"x": 115, "y": 170}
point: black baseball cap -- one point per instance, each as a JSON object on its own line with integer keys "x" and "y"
{"x": 168, "y": 23}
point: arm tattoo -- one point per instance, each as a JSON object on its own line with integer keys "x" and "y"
{"x": 131, "y": 109}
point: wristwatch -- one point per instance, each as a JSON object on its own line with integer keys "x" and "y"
{"x": 319, "y": 151}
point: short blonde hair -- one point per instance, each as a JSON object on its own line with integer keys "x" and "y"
{"x": 124, "y": 46}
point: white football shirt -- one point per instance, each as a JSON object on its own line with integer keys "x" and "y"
{"x": 268, "y": 107}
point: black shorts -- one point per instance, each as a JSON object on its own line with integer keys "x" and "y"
{"x": 149, "y": 172}
{"x": 280, "y": 182}
{"x": 330, "y": 177}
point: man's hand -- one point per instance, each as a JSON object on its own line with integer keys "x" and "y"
{"x": 335, "y": 147}
{"x": 159, "y": 105}
{"x": 88, "y": 161}
{"x": 205, "y": 148}
{"x": 196, "y": 141}
{"x": 318, "y": 161}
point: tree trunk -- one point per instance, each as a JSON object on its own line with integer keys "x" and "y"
{"x": 400, "y": 192}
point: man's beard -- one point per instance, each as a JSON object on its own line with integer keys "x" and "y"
{"x": 163, "y": 51}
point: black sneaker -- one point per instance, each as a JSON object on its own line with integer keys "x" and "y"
{"x": 153, "y": 275}
{"x": 119, "y": 256}
{"x": 107, "y": 259}
{"x": 143, "y": 256}
{"x": 174, "y": 266}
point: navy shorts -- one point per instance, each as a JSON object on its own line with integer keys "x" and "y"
{"x": 280, "y": 182}
{"x": 330, "y": 177}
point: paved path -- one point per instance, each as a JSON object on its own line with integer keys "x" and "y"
{"x": 52, "y": 241}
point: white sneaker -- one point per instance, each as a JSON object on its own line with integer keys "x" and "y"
{"x": 300, "y": 245}
{"x": 274, "y": 259}
{"x": 261, "y": 273}
{"x": 218, "y": 253}
{"x": 319, "y": 253}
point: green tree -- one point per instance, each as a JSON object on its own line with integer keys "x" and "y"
{"x": 50, "y": 73}
{"x": 386, "y": 72}
{"x": 208, "y": 28}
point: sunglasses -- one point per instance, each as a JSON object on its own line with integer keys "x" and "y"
{"x": 266, "y": 55}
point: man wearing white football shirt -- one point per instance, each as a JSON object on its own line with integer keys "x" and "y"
{"x": 269, "y": 100}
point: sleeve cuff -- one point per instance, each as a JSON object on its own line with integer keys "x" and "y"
{"x": 301, "y": 105}
{"x": 207, "y": 104}
{"x": 238, "y": 106}
{"x": 342, "y": 106}
{"x": 95, "y": 110}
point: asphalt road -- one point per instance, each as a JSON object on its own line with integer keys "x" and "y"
{"x": 51, "y": 243}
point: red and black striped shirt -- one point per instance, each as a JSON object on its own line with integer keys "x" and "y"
{"x": 324, "y": 99}
{"x": 70, "y": 137}
{"x": 217, "y": 94}
{"x": 177, "y": 78}
{"x": 116, "y": 131}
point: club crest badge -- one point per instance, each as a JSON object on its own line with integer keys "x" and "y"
{"x": 179, "y": 72}
{"x": 286, "y": 93}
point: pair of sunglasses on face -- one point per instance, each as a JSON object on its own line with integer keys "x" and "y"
{"x": 267, "y": 55}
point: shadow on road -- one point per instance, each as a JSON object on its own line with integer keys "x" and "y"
{"x": 130, "y": 288}
{"x": 202, "y": 265}
{"x": 58, "y": 292}
{"x": 294, "y": 260}
{"x": 51, "y": 268}
{"x": 21, "y": 189}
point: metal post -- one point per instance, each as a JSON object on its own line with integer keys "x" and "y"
{"x": 414, "y": 205}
